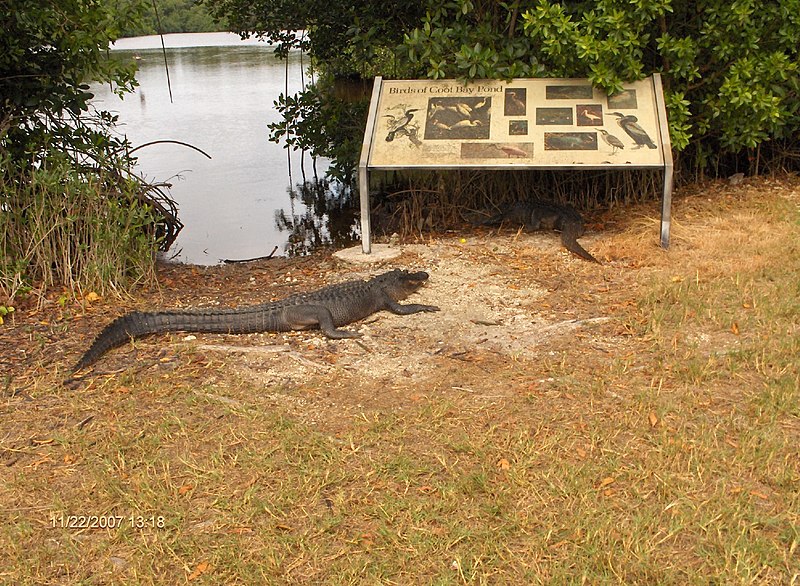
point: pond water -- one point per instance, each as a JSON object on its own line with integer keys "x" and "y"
{"x": 253, "y": 195}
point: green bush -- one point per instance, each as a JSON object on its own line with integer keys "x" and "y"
{"x": 730, "y": 68}
{"x": 71, "y": 210}
{"x": 325, "y": 126}
{"x": 81, "y": 229}
{"x": 174, "y": 16}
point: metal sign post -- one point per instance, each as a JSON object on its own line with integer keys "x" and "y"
{"x": 556, "y": 124}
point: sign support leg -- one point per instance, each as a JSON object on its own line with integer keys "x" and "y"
{"x": 666, "y": 207}
{"x": 363, "y": 188}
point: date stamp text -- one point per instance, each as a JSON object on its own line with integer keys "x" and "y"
{"x": 62, "y": 521}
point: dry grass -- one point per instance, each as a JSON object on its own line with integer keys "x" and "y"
{"x": 452, "y": 200}
{"x": 636, "y": 422}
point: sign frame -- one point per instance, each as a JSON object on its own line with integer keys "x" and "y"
{"x": 532, "y": 123}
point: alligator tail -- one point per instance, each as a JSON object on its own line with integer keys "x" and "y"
{"x": 119, "y": 331}
{"x": 569, "y": 241}
{"x": 495, "y": 220}
{"x": 139, "y": 324}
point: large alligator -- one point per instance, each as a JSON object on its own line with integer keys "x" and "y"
{"x": 537, "y": 215}
{"x": 327, "y": 309}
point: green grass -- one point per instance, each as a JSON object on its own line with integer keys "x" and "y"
{"x": 422, "y": 497}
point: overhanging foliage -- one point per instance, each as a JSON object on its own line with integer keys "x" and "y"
{"x": 730, "y": 68}
{"x": 62, "y": 167}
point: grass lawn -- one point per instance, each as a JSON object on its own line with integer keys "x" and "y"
{"x": 558, "y": 422}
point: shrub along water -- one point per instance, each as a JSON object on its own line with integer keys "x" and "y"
{"x": 72, "y": 210}
{"x": 64, "y": 225}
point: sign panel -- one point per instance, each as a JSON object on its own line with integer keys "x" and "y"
{"x": 521, "y": 123}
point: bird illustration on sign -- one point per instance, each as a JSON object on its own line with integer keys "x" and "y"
{"x": 630, "y": 124}
{"x": 611, "y": 141}
{"x": 402, "y": 124}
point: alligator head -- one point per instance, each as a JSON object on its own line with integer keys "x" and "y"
{"x": 400, "y": 283}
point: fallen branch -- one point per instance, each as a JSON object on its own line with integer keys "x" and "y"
{"x": 229, "y": 261}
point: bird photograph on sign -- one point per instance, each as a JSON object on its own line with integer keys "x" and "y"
{"x": 589, "y": 114}
{"x": 458, "y": 118}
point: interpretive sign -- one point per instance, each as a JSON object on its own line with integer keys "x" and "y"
{"x": 523, "y": 123}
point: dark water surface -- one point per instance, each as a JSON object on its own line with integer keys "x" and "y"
{"x": 242, "y": 203}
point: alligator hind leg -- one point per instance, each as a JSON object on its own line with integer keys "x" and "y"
{"x": 304, "y": 317}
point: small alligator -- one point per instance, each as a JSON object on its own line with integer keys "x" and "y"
{"x": 537, "y": 215}
{"x": 327, "y": 309}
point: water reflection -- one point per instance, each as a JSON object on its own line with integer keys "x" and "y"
{"x": 325, "y": 216}
{"x": 223, "y": 100}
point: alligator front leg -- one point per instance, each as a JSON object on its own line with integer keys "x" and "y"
{"x": 409, "y": 308}
{"x": 304, "y": 317}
